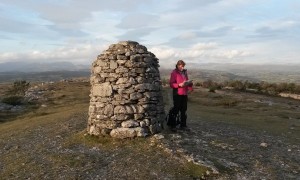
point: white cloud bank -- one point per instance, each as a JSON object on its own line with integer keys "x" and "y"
{"x": 81, "y": 54}
{"x": 210, "y": 52}
{"x": 235, "y": 31}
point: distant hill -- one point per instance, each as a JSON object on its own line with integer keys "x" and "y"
{"x": 262, "y": 72}
{"x": 219, "y": 72}
{"x": 40, "y": 67}
{"x": 42, "y": 76}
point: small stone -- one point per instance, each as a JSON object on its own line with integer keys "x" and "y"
{"x": 264, "y": 145}
{"x": 159, "y": 136}
{"x": 122, "y": 133}
{"x": 142, "y": 124}
{"x": 207, "y": 173}
{"x": 113, "y": 65}
{"x": 130, "y": 123}
{"x": 141, "y": 132}
{"x": 95, "y": 149}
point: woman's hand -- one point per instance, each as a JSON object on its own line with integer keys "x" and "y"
{"x": 181, "y": 84}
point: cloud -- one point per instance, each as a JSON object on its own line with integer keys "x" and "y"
{"x": 66, "y": 32}
{"x": 17, "y": 30}
{"x": 205, "y": 46}
{"x": 4, "y": 37}
{"x": 215, "y": 32}
{"x": 267, "y": 32}
{"x": 163, "y": 52}
{"x": 135, "y": 35}
{"x": 84, "y": 53}
{"x": 187, "y": 38}
{"x": 287, "y": 24}
{"x": 232, "y": 54}
{"x": 32, "y": 27}
{"x": 276, "y": 29}
{"x": 187, "y": 35}
{"x": 200, "y": 52}
{"x": 183, "y": 5}
{"x": 137, "y": 20}
{"x": 64, "y": 18}
{"x": 72, "y": 12}
{"x": 13, "y": 26}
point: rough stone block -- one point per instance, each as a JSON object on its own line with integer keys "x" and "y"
{"x": 129, "y": 124}
{"x": 122, "y": 133}
{"x": 113, "y": 65}
{"x": 102, "y": 90}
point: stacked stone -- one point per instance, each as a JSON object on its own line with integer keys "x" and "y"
{"x": 126, "y": 94}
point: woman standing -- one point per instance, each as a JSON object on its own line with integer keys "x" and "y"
{"x": 180, "y": 84}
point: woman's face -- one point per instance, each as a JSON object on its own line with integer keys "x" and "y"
{"x": 180, "y": 67}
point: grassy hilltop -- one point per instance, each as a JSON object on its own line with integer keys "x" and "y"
{"x": 239, "y": 135}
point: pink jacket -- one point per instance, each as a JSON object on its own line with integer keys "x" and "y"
{"x": 176, "y": 78}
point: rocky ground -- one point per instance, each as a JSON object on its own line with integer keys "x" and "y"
{"x": 238, "y": 153}
{"x": 229, "y": 152}
{"x": 235, "y": 151}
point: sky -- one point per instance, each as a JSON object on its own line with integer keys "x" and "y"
{"x": 197, "y": 31}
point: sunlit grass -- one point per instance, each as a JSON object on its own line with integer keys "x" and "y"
{"x": 275, "y": 119}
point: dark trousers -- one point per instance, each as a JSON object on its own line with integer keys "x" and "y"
{"x": 180, "y": 105}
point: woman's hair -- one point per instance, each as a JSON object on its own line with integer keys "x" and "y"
{"x": 180, "y": 62}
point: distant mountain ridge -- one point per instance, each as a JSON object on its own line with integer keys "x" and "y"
{"x": 40, "y": 67}
{"x": 43, "y": 76}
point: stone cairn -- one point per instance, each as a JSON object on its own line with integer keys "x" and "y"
{"x": 126, "y": 93}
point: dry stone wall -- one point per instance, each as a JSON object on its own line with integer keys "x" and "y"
{"x": 126, "y": 94}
